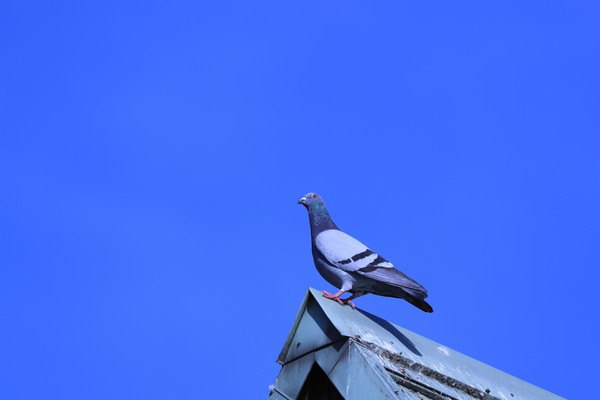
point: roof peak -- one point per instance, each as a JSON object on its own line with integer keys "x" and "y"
{"x": 322, "y": 323}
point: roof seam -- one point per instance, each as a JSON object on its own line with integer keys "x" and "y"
{"x": 315, "y": 350}
{"x": 340, "y": 357}
{"x": 282, "y": 394}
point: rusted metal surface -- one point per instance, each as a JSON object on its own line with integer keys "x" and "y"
{"x": 366, "y": 357}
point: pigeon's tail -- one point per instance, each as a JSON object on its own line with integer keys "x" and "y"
{"x": 414, "y": 298}
{"x": 419, "y": 303}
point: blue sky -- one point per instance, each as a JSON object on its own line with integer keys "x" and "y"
{"x": 152, "y": 154}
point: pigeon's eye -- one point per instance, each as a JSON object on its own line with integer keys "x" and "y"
{"x": 314, "y": 196}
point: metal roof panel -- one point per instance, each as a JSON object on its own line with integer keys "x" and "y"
{"x": 407, "y": 353}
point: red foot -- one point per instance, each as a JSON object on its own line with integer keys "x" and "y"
{"x": 335, "y": 297}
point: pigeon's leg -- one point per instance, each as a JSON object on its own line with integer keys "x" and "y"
{"x": 335, "y": 297}
{"x": 349, "y": 299}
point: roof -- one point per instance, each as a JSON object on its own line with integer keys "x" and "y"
{"x": 397, "y": 356}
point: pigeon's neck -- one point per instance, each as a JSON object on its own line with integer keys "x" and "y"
{"x": 320, "y": 220}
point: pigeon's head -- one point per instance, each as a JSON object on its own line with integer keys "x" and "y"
{"x": 311, "y": 200}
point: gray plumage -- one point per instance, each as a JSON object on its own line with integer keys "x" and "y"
{"x": 351, "y": 266}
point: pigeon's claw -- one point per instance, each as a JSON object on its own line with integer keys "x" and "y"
{"x": 349, "y": 302}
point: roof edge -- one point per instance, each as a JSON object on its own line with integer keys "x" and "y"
{"x": 286, "y": 346}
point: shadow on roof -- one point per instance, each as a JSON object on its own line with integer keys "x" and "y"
{"x": 393, "y": 330}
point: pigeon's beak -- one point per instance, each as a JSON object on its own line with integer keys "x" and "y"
{"x": 302, "y": 201}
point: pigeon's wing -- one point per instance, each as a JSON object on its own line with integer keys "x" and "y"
{"x": 343, "y": 251}
{"x": 391, "y": 276}
{"x": 346, "y": 253}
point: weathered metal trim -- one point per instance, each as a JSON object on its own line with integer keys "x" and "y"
{"x": 422, "y": 369}
{"x": 419, "y": 387}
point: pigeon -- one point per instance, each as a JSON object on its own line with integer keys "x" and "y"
{"x": 351, "y": 266}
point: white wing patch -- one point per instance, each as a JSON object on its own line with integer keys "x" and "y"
{"x": 385, "y": 264}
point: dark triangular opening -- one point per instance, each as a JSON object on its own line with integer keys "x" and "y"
{"x": 318, "y": 387}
